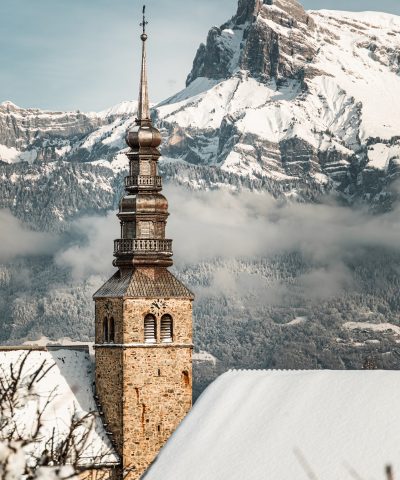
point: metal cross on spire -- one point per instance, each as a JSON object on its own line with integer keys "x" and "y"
{"x": 144, "y": 22}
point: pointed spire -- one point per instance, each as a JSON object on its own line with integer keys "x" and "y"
{"x": 143, "y": 134}
{"x": 143, "y": 107}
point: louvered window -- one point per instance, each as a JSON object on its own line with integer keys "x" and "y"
{"x": 105, "y": 330}
{"x": 145, "y": 168}
{"x": 129, "y": 230}
{"x": 150, "y": 329}
{"x": 166, "y": 329}
{"x": 146, "y": 229}
{"x": 112, "y": 331}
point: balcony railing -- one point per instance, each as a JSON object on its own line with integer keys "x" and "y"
{"x": 126, "y": 246}
{"x": 143, "y": 181}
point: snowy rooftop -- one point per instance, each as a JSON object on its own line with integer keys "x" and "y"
{"x": 288, "y": 425}
{"x": 70, "y": 384}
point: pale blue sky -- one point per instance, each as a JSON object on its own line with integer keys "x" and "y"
{"x": 70, "y": 54}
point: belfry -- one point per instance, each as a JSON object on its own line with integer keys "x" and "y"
{"x": 143, "y": 313}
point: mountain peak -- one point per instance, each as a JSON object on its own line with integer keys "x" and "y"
{"x": 248, "y": 9}
{"x": 268, "y": 38}
{"x": 10, "y": 105}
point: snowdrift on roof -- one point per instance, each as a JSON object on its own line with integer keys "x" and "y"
{"x": 253, "y": 425}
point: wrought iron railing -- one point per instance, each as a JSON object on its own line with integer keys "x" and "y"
{"x": 127, "y": 245}
{"x": 143, "y": 181}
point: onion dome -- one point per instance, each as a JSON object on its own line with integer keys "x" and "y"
{"x": 143, "y": 136}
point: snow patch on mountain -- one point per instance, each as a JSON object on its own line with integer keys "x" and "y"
{"x": 126, "y": 108}
{"x": 9, "y": 154}
{"x": 12, "y": 155}
{"x": 379, "y": 327}
{"x": 360, "y": 54}
{"x": 380, "y": 155}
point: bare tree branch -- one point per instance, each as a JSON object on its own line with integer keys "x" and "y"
{"x": 18, "y": 386}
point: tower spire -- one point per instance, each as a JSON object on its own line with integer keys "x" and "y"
{"x": 143, "y": 107}
{"x": 143, "y": 313}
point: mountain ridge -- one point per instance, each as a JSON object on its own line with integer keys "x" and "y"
{"x": 305, "y": 106}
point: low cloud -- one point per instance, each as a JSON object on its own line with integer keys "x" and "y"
{"x": 16, "y": 239}
{"x": 220, "y": 224}
{"x": 325, "y": 282}
{"x": 205, "y": 225}
{"x": 91, "y": 252}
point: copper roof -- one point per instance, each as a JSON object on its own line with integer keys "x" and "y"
{"x": 144, "y": 283}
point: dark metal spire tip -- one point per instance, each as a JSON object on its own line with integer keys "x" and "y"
{"x": 143, "y": 24}
{"x": 143, "y": 108}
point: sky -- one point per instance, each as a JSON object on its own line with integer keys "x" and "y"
{"x": 84, "y": 54}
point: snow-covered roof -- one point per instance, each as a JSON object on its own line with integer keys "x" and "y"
{"x": 69, "y": 384}
{"x": 288, "y": 425}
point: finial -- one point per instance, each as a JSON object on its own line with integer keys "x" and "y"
{"x": 143, "y": 25}
{"x": 143, "y": 108}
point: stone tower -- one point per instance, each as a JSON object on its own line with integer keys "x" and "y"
{"x": 143, "y": 313}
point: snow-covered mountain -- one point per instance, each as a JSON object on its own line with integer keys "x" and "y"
{"x": 37, "y": 136}
{"x": 294, "y": 96}
{"x": 298, "y": 103}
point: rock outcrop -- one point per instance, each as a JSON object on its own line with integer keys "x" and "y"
{"x": 269, "y": 39}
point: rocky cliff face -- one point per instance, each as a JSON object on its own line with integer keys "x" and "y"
{"x": 46, "y": 135}
{"x": 35, "y": 135}
{"x": 273, "y": 42}
{"x": 304, "y": 99}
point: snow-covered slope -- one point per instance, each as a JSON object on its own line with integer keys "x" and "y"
{"x": 306, "y": 96}
{"x": 35, "y": 136}
{"x": 128, "y": 108}
{"x": 288, "y": 425}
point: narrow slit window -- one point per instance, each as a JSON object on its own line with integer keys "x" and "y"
{"x": 112, "y": 330}
{"x": 105, "y": 330}
{"x": 166, "y": 329}
{"x": 150, "y": 329}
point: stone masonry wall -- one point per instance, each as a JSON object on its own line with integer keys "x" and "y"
{"x": 145, "y": 390}
{"x": 157, "y": 380}
{"x": 107, "y": 309}
{"x": 157, "y": 396}
{"x": 109, "y": 388}
{"x": 109, "y": 369}
{"x": 135, "y": 311}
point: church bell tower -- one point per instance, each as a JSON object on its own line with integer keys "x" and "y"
{"x": 143, "y": 313}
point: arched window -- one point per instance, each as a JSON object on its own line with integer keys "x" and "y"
{"x": 166, "y": 329}
{"x": 112, "y": 330}
{"x": 150, "y": 329}
{"x": 105, "y": 330}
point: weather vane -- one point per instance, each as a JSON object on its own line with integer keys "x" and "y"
{"x": 144, "y": 22}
